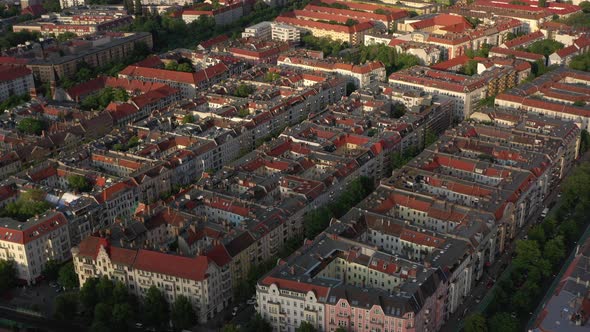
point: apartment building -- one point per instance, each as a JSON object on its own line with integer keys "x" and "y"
{"x": 198, "y": 278}
{"x": 331, "y": 276}
{"x": 284, "y": 32}
{"x": 562, "y": 94}
{"x": 321, "y": 24}
{"x": 224, "y": 15}
{"x": 15, "y": 81}
{"x": 81, "y": 23}
{"x": 465, "y": 90}
{"x": 31, "y": 244}
{"x": 361, "y": 75}
{"x": 261, "y": 31}
{"x": 187, "y": 83}
{"x": 97, "y": 52}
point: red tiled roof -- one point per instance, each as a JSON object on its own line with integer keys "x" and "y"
{"x": 41, "y": 228}
{"x": 518, "y": 54}
{"x": 219, "y": 255}
{"x": 9, "y": 73}
{"x": 300, "y": 287}
{"x": 525, "y": 39}
{"x": 172, "y": 265}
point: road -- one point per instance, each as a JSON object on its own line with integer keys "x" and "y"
{"x": 39, "y": 323}
{"x": 471, "y": 302}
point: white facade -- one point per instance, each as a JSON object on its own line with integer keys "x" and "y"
{"x": 199, "y": 279}
{"x": 285, "y": 310}
{"x": 33, "y": 243}
{"x": 284, "y": 32}
{"x": 14, "y": 86}
{"x": 71, "y": 3}
{"x": 260, "y": 31}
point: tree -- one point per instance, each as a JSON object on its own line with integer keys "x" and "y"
{"x": 554, "y": 250}
{"x": 30, "y": 203}
{"x": 397, "y": 110}
{"x": 122, "y": 315}
{"x": 102, "y": 313}
{"x": 341, "y": 329}
{"x": 585, "y": 5}
{"x": 429, "y": 138}
{"x": 350, "y": 88}
{"x": 529, "y": 258}
{"x": 65, "y": 305}
{"x": 189, "y": 118}
{"x": 155, "y": 308}
{"x": 7, "y": 275}
{"x": 66, "y": 36}
{"x": 67, "y": 276}
{"x": 104, "y": 289}
{"x": 230, "y": 328}
{"x": 183, "y": 315}
{"x": 51, "y": 269}
{"x": 584, "y": 141}
{"x": 306, "y": 327}
{"x": 258, "y": 324}
{"x": 244, "y": 90}
{"x": 470, "y": 68}
{"x": 542, "y": 3}
{"x": 537, "y": 233}
{"x": 503, "y": 322}
{"x": 14, "y": 101}
{"x": 88, "y": 296}
{"x": 475, "y": 323}
{"x": 52, "y": 6}
{"x": 545, "y": 47}
{"x": 98, "y": 326}
{"x": 138, "y": 8}
{"x": 79, "y": 183}
{"x": 185, "y": 67}
{"x": 31, "y": 126}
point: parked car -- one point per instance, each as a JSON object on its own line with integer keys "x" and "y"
{"x": 234, "y": 311}
{"x": 251, "y": 302}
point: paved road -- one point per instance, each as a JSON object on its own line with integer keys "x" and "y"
{"x": 39, "y": 323}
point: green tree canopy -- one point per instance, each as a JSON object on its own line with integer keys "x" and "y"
{"x": 29, "y": 204}
{"x": 503, "y": 322}
{"x": 31, "y": 126}
{"x": 189, "y": 118}
{"x": 79, "y": 183}
{"x": 257, "y": 324}
{"x": 545, "y": 47}
{"x": 65, "y": 306}
{"x": 306, "y": 327}
{"x": 155, "y": 308}
{"x": 67, "y": 276}
{"x": 7, "y": 275}
{"x": 475, "y": 323}
{"x": 51, "y": 269}
{"x": 183, "y": 314}
{"x": 554, "y": 250}
{"x": 244, "y": 90}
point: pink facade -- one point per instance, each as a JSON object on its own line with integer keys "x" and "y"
{"x": 363, "y": 316}
{"x": 357, "y": 319}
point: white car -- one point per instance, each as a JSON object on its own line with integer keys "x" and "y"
{"x": 234, "y": 311}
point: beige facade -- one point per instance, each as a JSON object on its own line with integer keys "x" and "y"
{"x": 199, "y": 279}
